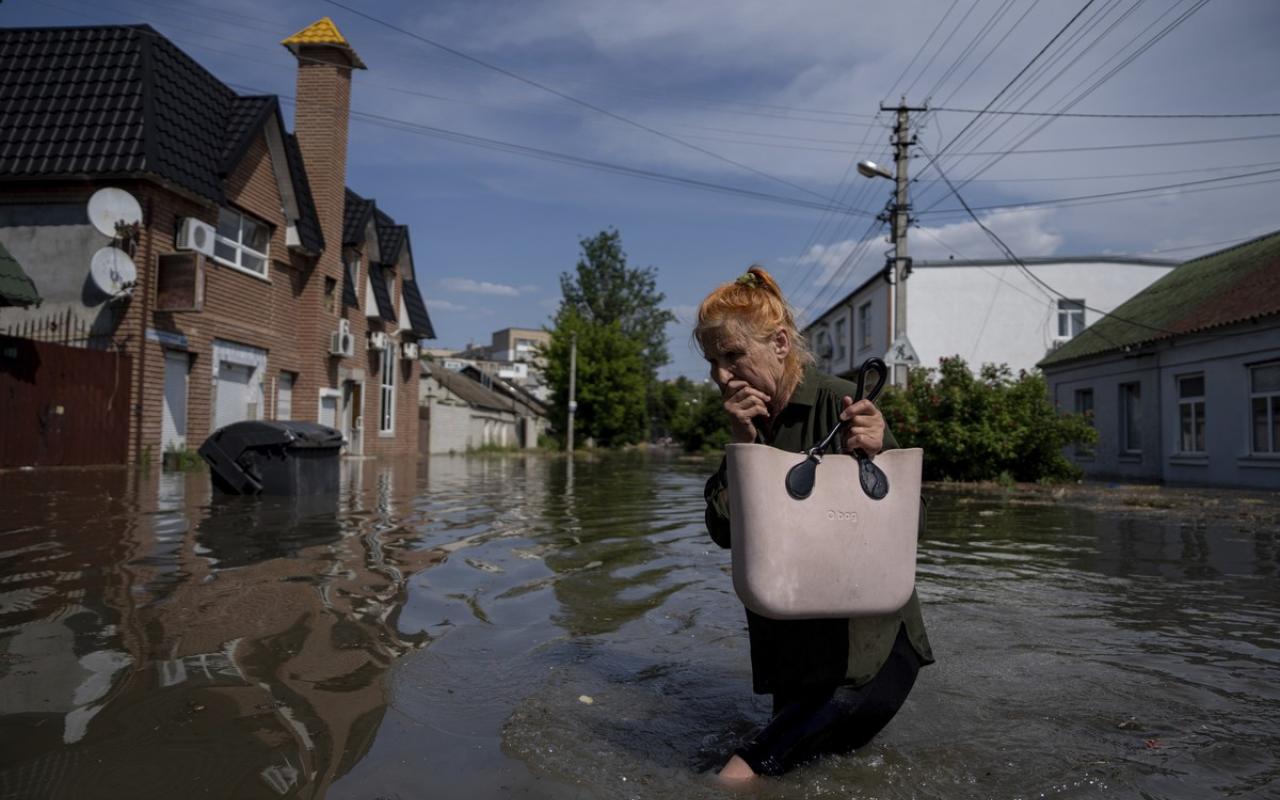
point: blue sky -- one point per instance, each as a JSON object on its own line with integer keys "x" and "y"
{"x": 768, "y": 98}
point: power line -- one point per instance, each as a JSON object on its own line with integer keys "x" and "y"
{"x": 983, "y": 32}
{"x": 1144, "y": 47}
{"x": 458, "y": 137}
{"x": 1103, "y": 195}
{"x": 1027, "y": 66}
{"x": 1013, "y": 257}
{"x": 575, "y": 100}
{"x": 923, "y": 46}
{"x": 1097, "y": 148}
{"x": 1251, "y": 115}
{"x": 1114, "y": 176}
{"x": 994, "y": 48}
{"x": 942, "y": 46}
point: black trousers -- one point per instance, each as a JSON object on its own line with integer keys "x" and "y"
{"x": 835, "y": 719}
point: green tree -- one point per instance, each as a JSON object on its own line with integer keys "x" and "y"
{"x": 701, "y": 422}
{"x": 983, "y": 427}
{"x": 604, "y": 291}
{"x": 611, "y": 381}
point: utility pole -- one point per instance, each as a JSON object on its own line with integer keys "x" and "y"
{"x": 573, "y": 377}
{"x": 901, "y": 354}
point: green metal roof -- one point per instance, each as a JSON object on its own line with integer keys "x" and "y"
{"x": 16, "y": 289}
{"x": 1229, "y": 286}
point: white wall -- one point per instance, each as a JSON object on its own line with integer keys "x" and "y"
{"x": 994, "y": 313}
{"x": 857, "y": 347}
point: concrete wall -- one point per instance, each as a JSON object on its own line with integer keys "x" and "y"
{"x": 1223, "y": 358}
{"x": 997, "y": 314}
{"x": 54, "y": 243}
{"x": 457, "y": 427}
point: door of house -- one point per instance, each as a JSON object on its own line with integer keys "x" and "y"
{"x": 173, "y": 429}
{"x": 353, "y": 416}
{"x": 232, "y": 391}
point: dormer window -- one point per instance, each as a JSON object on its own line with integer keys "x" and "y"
{"x": 241, "y": 242}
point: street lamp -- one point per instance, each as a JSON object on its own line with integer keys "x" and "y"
{"x": 900, "y": 355}
{"x": 870, "y": 169}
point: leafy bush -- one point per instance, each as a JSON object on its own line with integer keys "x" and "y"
{"x": 985, "y": 426}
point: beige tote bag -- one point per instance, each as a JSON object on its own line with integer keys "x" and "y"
{"x": 823, "y": 536}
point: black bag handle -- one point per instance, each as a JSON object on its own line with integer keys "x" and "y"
{"x": 800, "y": 478}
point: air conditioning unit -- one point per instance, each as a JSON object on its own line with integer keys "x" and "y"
{"x": 378, "y": 340}
{"x": 341, "y": 342}
{"x": 195, "y": 235}
{"x": 409, "y": 351}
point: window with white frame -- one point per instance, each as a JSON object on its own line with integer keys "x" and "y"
{"x": 1191, "y": 413}
{"x": 387, "y": 384}
{"x": 1070, "y": 318}
{"x": 864, "y": 326}
{"x": 241, "y": 242}
{"x": 1264, "y": 405}
{"x": 841, "y": 337}
{"x": 1084, "y": 407}
{"x": 1131, "y": 417}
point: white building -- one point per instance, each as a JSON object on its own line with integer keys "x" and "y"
{"x": 983, "y": 311}
{"x": 1182, "y": 383}
{"x": 459, "y": 413}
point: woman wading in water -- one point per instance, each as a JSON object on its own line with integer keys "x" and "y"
{"x": 835, "y": 682}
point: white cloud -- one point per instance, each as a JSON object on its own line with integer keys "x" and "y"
{"x": 1025, "y": 230}
{"x": 826, "y": 271}
{"x": 436, "y": 306}
{"x": 470, "y": 286}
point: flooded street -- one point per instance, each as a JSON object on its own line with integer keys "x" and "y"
{"x": 527, "y": 626}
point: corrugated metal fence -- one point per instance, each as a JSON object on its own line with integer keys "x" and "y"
{"x": 62, "y": 406}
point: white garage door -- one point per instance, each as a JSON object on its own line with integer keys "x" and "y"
{"x": 235, "y": 389}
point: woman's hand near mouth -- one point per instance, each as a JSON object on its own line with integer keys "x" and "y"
{"x": 744, "y": 403}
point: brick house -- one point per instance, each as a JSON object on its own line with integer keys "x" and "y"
{"x": 265, "y": 288}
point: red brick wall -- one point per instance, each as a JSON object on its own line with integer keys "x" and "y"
{"x": 284, "y": 314}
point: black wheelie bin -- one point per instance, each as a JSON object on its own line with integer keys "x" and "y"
{"x": 274, "y": 458}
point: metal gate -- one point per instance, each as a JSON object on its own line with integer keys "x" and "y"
{"x": 62, "y": 406}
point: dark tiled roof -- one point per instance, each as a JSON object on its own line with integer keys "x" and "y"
{"x": 1233, "y": 285}
{"x": 16, "y": 288}
{"x": 392, "y": 238}
{"x": 309, "y": 233}
{"x": 114, "y": 101}
{"x": 418, "y": 317}
{"x": 378, "y": 280}
{"x": 246, "y": 117}
{"x": 470, "y": 390}
{"x": 355, "y": 216}
{"x": 71, "y": 101}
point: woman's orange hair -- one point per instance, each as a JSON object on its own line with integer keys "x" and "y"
{"x": 752, "y": 306}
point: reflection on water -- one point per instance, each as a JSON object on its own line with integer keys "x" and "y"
{"x": 439, "y": 628}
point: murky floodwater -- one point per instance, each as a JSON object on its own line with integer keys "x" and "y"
{"x": 431, "y": 632}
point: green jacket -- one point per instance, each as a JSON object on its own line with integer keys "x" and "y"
{"x": 788, "y": 655}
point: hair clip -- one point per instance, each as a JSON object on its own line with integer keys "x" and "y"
{"x": 748, "y": 279}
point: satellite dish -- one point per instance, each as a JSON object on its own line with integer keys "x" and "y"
{"x": 109, "y": 206}
{"x": 112, "y": 271}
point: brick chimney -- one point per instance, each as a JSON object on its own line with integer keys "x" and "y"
{"x": 321, "y": 118}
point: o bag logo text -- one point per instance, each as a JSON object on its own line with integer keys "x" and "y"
{"x": 843, "y": 516}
